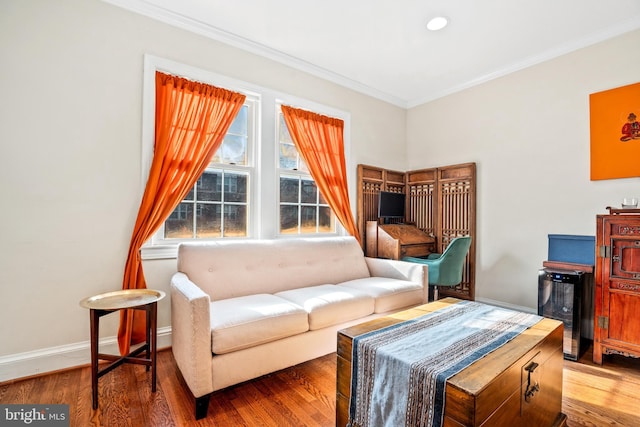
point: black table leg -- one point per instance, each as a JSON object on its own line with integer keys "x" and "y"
{"x": 95, "y": 327}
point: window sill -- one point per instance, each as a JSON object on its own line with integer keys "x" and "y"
{"x": 159, "y": 252}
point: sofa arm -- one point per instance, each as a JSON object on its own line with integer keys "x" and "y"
{"x": 402, "y": 270}
{"x": 191, "y": 334}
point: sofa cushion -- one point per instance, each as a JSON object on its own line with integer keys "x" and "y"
{"x": 389, "y": 294}
{"x": 330, "y": 304}
{"x": 235, "y": 268}
{"x": 243, "y": 322}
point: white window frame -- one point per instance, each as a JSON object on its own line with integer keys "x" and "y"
{"x": 263, "y": 209}
{"x": 299, "y": 175}
{"x": 252, "y": 103}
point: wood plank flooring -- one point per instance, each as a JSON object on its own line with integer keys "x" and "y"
{"x": 303, "y": 395}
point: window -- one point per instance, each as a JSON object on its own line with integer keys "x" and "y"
{"x": 256, "y": 185}
{"x": 302, "y": 209}
{"x": 218, "y": 205}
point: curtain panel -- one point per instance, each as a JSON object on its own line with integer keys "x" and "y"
{"x": 320, "y": 141}
{"x": 191, "y": 121}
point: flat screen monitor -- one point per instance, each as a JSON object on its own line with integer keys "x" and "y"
{"x": 391, "y": 205}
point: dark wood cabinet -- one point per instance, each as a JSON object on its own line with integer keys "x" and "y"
{"x": 395, "y": 241}
{"x": 617, "y": 280}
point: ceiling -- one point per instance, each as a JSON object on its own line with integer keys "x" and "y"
{"x": 382, "y": 47}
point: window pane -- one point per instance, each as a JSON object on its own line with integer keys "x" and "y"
{"x": 234, "y": 150}
{"x": 302, "y": 166}
{"x": 309, "y": 191}
{"x": 288, "y": 157}
{"x": 289, "y": 190}
{"x": 325, "y": 220}
{"x": 234, "y": 146}
{"x": 239, "y": 125}
{"x": 284, "y": 136}
{"x": 235, "y": 221}
{"x": 208, "y": 186}
{"x": 208, "y": 219}
{"x": 322, "y": 200}
{"x": 288, "y": 219}
{"x": 179, "y": 225}
{"x": 190, "y": 195}
{"x": 235, "y": 188}
{"x": 308, "y": 219}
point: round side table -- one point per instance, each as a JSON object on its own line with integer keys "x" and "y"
{"x": 135, "y": 299}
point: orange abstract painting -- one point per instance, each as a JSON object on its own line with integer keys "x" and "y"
{"x": 615, "y": 133}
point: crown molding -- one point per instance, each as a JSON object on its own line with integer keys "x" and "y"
{"x": 166, "y": 16}
{"x": 564, "y": 49}
{"x": 198, "y": 27}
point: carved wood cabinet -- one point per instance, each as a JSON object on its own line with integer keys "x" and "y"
{"x": 617, "y": 284}
{"x": 440, "y": 202}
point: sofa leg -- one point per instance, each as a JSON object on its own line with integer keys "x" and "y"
{"x": 435, "y": 293}
{"x": 202, "y": 406}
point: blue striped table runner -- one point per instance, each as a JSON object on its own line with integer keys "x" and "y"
{"x": 399, "y": 372}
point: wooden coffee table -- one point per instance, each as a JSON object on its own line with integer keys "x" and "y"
{"x": 491, "y": 391}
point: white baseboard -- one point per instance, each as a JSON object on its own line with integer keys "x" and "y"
{"x": 507, "y": 305}
{"x": 51, "y": 359}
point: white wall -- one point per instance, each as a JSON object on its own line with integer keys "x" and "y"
{"x": 528, "y": 132}
{"x": 70, "y": 161}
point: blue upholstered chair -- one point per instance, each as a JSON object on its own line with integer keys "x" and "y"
{"x": 446, "y": 269}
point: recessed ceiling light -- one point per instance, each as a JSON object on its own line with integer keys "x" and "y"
{"x": 437, "y": 23}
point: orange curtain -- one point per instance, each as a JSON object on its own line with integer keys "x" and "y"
{"x": 319, "y": 140}
{"x": 191, "y": 121}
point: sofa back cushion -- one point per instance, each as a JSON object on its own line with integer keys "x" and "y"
{"x": 227, "y": 269}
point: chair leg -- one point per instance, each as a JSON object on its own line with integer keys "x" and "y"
{"x": 435, "y": 293}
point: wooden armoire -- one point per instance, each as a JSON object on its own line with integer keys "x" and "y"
{"x": 617, "y": 284}
{"x": 440, "y": 202}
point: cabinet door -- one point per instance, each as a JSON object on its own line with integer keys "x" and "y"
{"x": 621, "y": 284}
{"x": 625, "y": 258}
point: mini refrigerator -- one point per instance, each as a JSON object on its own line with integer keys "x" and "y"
{"x": 565, "y": 295}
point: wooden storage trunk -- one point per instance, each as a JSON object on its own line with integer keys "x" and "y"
{"x": 518, "y": 384}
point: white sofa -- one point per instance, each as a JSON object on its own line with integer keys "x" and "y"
{"x": 242, "y": 309}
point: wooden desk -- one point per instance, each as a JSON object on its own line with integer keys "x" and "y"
{"x": 490, "y": 392}
{"x": 395, "y": 241}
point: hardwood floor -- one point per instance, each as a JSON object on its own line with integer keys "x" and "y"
{"x": 607, "y": 395}
{"x": 303, "y": 395}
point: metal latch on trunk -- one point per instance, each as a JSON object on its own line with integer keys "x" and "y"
{"x": 532, "y": 385}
